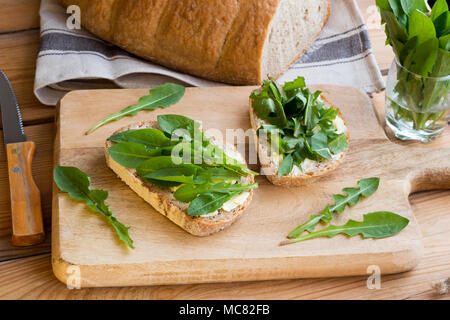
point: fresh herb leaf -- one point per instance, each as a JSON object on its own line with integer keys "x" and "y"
{"x": 163, "y": 162}
{"x": 439, "y": 8}
{"x": 298, "y": 83}
{"x": 444, "y": 42}
{"x": 409, "y": 6}
{"x": 77, "y": 184}
{"x": 398, "y": 11}
{"x": 442, "y": 24}
{"x": 162, "y": 96}
{"x": 380, "y": 224}
{"x": 130, "y": 154}
{"x": 149, "y": 137}
{"x": 422, "y": 27}
{"x": 396, "y": 33}
{"x": 352, "y": 196}
{"x": 266, "y": 109}
{"x": 417, "y": 40}
{"x": 338, "y": 144}
{"x": 189, "y": 192}
{"x": 173, "y": 123}
{"x": 208, "y": 202}
{"x": 304, "y": 124}
{"x": 286, "y": 165}
{"x": 319, "y": 144}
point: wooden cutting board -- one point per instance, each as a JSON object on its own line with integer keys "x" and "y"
{"x": 85, "y": 246}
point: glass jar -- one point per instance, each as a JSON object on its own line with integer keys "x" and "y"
{"x": 417, "y": 108}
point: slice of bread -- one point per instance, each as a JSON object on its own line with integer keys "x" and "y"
{"x": 293, "y": 29}
{"x": 163, "y": 200}
{"x": 270, "y": 164}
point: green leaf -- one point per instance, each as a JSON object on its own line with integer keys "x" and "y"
{"x": 352, "y": 196}
{"x": 292, "y": 142}
{"x": 148, "y": 137}
{"x": 366, "y": 188}
{"x": 383, "y": 5}
{"x": 209, "y": 202}
{"x": 396, "y": 33}
{"x": 162, "y": 96}
{"x": 408, "y": 48}
{"x": 338, "y": 144}
{"x": 444, "y": 43}
{"x": 424, "y": 58}
{"x": 264, "y": 109}
{"x": 396, "y": 7}
{"x": 309, "y": 112}
{"x": 220, "y": 173}
{"x": 400, "y": 15}
{"x": 130, "y": 154}
{"x": 302, "y": 122}
{"x": 181, "y": 175}
{"x": 77, "y": 184}
{"x": 422, "y": 27}
{"x": 409, "y": 6}
{"x": 163, "y": 162}
{"x": 380, "y": 224}
{"x": 281, "y": 116}
{"x": 442, "y": 24}
{"x": 286, "y": 166}
{"x": 298, "y": 83}
{"x": 169, "y": 123}
{"x": 268, "y": 103}
{"x": 439, "y": 8}
{"x": 189, "y": 192}
{"x": 319, "y": 144}
{"x": 442, "y": 67}
{"x": 434, "y": 88}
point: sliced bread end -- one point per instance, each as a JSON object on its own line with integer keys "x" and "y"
{"x": 284, "y": 44}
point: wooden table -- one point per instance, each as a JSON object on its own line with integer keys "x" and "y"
{"x": 26, "y": 273}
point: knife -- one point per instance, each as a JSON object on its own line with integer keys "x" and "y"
{"x": 27, "y": 226}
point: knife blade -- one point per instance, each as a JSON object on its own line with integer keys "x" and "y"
{"x": 26, "y": 212}
{"x": 11, "y": 118}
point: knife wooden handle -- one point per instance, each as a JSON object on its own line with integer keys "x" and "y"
{"x": 26, "y": 209}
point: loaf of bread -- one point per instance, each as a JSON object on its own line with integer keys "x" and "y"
{"x": 232, "y": 41}
{"x": 163, "y": 200}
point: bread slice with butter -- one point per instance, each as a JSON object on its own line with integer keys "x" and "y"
{"x": 270, "y": 160}
{"x": 162, "y": 198}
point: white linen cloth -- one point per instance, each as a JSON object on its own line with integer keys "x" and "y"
{"x": 76, "y": 59}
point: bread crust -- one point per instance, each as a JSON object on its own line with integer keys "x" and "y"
{"x": 271, "y": 172}
{"x": 162, "y": 200}
{"x": 220, "y": 40}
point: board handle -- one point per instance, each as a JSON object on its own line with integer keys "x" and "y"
{"x": 434, "y": 173}
{"x": 27, "y": 225}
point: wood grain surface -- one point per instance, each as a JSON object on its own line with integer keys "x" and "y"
{"x": 249, "y": 249}
{"x": 26, "y": 272}
{"x": 19, "y": 15}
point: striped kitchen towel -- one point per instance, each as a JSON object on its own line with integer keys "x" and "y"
{"x": 75, "y": 59}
